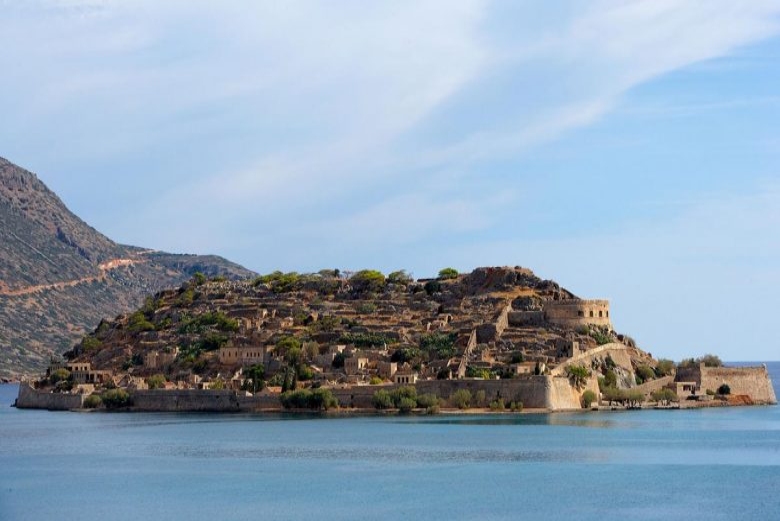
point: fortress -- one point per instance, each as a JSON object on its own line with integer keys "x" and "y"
{"x": 500, "y": 333}
{"x": 577, "y": 312}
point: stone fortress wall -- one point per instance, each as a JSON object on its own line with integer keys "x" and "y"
{"x": 577, "y": 312}
{"x": 751, "y": 381}
{"x": 536, "y": 392}
{"x": 29, "y": 398}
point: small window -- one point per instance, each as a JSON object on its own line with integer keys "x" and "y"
{"x": 600, "y": 314}
{"x": 591, "y": 313}
{"x": 580, "y": 313}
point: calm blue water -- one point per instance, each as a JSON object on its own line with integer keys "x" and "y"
{"x": 718, "y": 464}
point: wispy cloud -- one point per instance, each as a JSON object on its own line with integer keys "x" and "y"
{"x": 395, "y": 134}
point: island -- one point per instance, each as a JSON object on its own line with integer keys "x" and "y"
{"x": 497, "y": 339}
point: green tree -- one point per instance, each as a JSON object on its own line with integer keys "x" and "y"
{"x": 400, "y": 277}
{"x": 90, "y": 343}
{"x": 724, "y": 389}
{"x": 427, "y": 400}
{"x": 448, "y": 273}
{"x": 60, "y": 375}
{"x": 664, "y": 367}
{"x": 93, "y": 401}
{"x": 138, "y": 322}
{"x": 432, "y": 286}
{"x": 497, "y": 405}
{"x": 254, "y": 378}
{"x": 613, "y": 394}
{"x": 310, "y": 350}
{"x": 156, "y": 381}
{"x": 367, "y": 281}
{"x": 645, "y": 373}
{"x": 338, "y": 360}
{"x": 382, "y": 399}
{"x": 578, "y": 374}
{"x": 710, "y": 360}
{"x": 588, "y": 397}
{"x": 461, "y": 398}
{"x": 305, "y": 373}
{"x": 664, "y": 396}
{"x": 609, "y": 380}
{"x": 635, "y": 397}
{"x": 287, "y": 343}
{"x": 198, "y": 278}
{"x": 322, "y": 400}
{"x": 116, "y": 399}
{"x": 403, "y": 392}
{"x": 406, "y": 404}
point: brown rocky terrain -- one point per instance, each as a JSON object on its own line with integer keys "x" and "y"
{"x": 339, "y": 329}
{"x": 59, "y": 276}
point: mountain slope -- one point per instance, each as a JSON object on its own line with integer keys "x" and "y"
{"x": 59, "y": 276}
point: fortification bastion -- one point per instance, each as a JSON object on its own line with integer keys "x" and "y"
{"x": 578, "y": 312}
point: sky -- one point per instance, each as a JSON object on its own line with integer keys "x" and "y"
{"x": 629, "y": 150}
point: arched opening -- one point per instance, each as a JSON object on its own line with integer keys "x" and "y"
{"x": 591, "y": 313}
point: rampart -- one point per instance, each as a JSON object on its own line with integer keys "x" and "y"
{"x": 29, "y": 398}
{"x": 620, "y": 353}
{"x": 535, "y": 392}
{"x": 185, "y": 401}
{"x": 577, "y": 312}
{"x": 751, "y": 381}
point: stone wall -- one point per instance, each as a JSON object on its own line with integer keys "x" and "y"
{"x": 563, "y": 396}
{"x": 185, "y": 401}
{"x": 533, "y": 391}
{"x": 620, "y": 354}
{"x": 536, "y": 392}
{"x": 491, "y": 331}
{"x": 750, "y": 381}
{"x": 526, "y": 318}
{"x": 577, "y": 312}
{"x": 29, "y": 398}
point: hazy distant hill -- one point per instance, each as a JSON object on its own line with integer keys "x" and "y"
{"x": 59, "y": 276}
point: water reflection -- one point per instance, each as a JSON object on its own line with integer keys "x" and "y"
{"x": 389, "y": 455}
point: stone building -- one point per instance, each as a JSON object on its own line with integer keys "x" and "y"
{"x": 355, "y": 364}
{"x": 578, "y": 312}
{"x": 160, "y": 359}
{"x": 230, "y": 355}
{"x": 405, "y": 377}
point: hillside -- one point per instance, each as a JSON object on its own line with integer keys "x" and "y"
{"x": 341, "y": 330}
{"x": 59, "y": 276}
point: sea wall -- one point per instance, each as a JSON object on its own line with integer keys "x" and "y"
{"x": 751, "y": 381}
{"x": 185, "y": 401}
{"x": 563, "y": 396}
{"x": 535, "y": 392}
{"x": 29, "y": 398}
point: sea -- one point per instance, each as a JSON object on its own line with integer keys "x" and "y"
{"x": 705, "y": 464}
